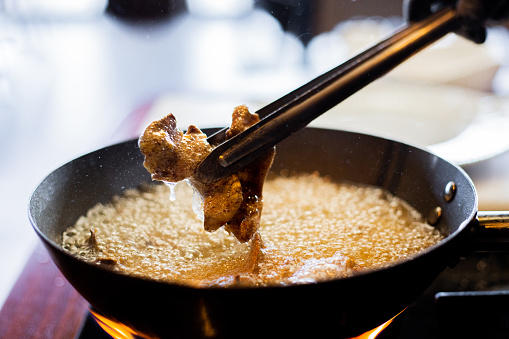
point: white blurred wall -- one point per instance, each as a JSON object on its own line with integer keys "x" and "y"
{"x": 69, "y": 76}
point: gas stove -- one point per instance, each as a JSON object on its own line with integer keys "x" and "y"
{"x": 466, "y": 301}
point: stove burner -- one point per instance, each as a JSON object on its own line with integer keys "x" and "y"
{"x": 91, "y": 329}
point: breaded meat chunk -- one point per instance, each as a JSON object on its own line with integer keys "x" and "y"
{"x": 235, "y": 201}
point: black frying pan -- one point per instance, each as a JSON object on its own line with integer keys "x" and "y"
{"x": 338, "y": 308}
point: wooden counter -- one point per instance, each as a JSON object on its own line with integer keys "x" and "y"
{"x": 42, "y": 304}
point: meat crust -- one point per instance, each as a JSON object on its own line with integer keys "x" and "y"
{"x": 171, "y": 155}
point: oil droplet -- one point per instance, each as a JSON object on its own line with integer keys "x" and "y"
{"x": 197, "y": 202}
{"x": 171, "y": 185}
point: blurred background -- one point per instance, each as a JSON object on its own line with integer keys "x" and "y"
{"x": 78, "y": 75}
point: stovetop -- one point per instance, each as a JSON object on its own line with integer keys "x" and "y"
{"x": 467, "y": 301}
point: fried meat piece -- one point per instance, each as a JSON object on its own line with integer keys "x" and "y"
{"x": 246, "y": 221}
{"x": 221, "y": 201}
{"x": 172, "y": 156}
{"x": 235, "y": 201}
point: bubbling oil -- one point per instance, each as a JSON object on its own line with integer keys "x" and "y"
{"x": 312, "y": 229}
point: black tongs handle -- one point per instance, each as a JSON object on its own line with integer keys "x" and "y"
{"x": 298, "y": 108}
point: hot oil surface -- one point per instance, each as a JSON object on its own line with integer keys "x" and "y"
{"x": 312, "y": 229}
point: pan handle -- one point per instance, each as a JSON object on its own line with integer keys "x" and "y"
{"x": 492, "y": 232}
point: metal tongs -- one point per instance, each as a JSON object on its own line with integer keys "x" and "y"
{"x": 295, "y": 110}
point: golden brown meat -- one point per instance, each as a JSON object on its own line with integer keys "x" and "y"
{"x": 221, "y": 201}
{"x": 171, "y": 155}
{"x": 235, "y": 201}
{"x": 246, "y": 221}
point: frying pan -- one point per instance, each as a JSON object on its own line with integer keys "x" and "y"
{"x": 338, "y": 308}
